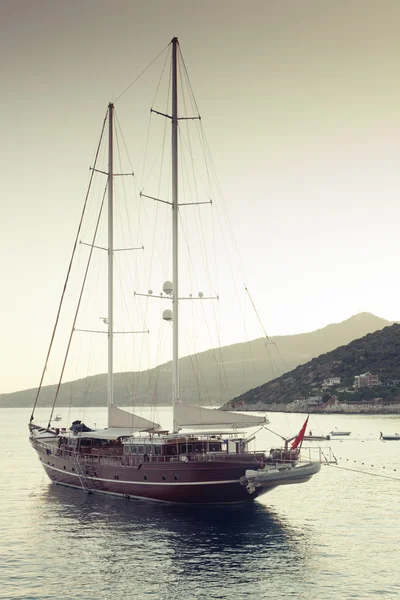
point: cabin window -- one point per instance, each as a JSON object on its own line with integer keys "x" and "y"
{"x": 176, "y": 477}
{"x": 171, "y": 450}
{"x": 163, "y": 477}
{"x": 157, "y": 450}
{"x": 148, "y": 449}
{"x": 145, "y": 477}
{"x": 198, "y": 447}
{"x": 214, "y": 447}
{"x": 140, "y": 450}
{"x": 133, "y": 449}
{"x": 116, "y": 476}
{"x": 186, "y": 448}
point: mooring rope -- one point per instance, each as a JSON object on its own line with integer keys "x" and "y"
{"x": 364, "y": 472}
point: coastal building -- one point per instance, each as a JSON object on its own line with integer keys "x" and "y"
{"x": 303, "y": 403}
{"x": 313, "y": 400}
{"x": 366, "y": 380}
{"x": 330, "y": 381}
{"x": 393, "y": 383}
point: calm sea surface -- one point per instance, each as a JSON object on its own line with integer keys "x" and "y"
{"x": 336, "y": 537}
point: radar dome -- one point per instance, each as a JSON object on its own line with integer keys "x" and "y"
{"x": 168, "y": 287}
{"x": 167, "y": 314}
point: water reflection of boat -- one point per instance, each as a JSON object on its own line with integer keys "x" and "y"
{"x": 256, "y": 525}
{"x": 179, "y": 548}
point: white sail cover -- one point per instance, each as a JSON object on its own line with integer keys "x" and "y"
{"x": 124, "y": 419}
{"x": 196, "y": 416}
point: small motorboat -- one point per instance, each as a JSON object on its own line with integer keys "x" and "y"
{"x": 336, "y": 432}
{"x": 315, "y": 437}
{"x": 389, "y": 437}
{"x": 57, "y": 418}
{"x": 280, "y": 473}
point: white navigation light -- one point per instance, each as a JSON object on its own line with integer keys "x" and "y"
{"x": 168, "y": 288}
{"x": 167, "y": 314}
{"x": 150, "y": 292}
{"x": 201, "y": 294}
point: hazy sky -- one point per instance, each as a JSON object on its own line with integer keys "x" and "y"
{"x": 300, "y": 100}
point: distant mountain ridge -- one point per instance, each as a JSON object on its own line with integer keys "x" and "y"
{"x": 245, "y": 366}
{"x": 377, "y": 353}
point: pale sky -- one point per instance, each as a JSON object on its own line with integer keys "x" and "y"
{"x": 300, "y": 101}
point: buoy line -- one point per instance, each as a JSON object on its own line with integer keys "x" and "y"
{"x": 364, "y": 472}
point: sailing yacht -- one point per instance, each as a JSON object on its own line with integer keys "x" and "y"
{"x": 206, "y": 457}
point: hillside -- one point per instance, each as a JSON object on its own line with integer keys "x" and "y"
{"x": 377, "y": 353}
{"x": 245, "y": 366}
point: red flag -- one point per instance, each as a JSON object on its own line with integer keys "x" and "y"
{"x": 299, "y": 438}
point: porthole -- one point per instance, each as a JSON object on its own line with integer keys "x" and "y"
{"x": 164, "y": 478}
{"x": 64, "y": 467}
{"x": 176, "y": 477}
{"x": 73, "y": 470}
{"x": 145, "y": 477}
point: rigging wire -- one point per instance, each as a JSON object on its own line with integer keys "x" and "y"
{"x": 77, "y": 308}
{"x": 258, "y": 316}
{"x": 155, "y": 374}
{"x": 69, "y": 271}
{"x": 152, "y": 110}
{"x": 271, "y": 341}
{"x": 126, "y": 383}
{"x": 207, "y": 159}
{"x": 189, "y": 82}
{"x": 144, "y": 71}
{"x": 197, "y": 176}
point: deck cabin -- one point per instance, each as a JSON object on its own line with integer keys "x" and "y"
{"x": 159, "y": 447}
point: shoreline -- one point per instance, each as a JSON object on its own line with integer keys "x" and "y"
{"x": 393, "y": 410}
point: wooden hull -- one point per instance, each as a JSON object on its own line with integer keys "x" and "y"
{"x": 200, "y": 482}
{"x": 212, "y": 479}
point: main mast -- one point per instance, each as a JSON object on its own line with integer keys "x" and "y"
{"x": 175, "y": 307}
{"x": 110, "y": 391}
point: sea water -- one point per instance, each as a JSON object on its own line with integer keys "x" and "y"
{"x": 335, "y": 537}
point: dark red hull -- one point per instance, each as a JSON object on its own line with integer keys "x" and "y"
{"x": 200, "y": 482}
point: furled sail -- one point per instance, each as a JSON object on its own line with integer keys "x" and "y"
{"x": 122, "y": 418}
{"x": 196, "y": 416}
